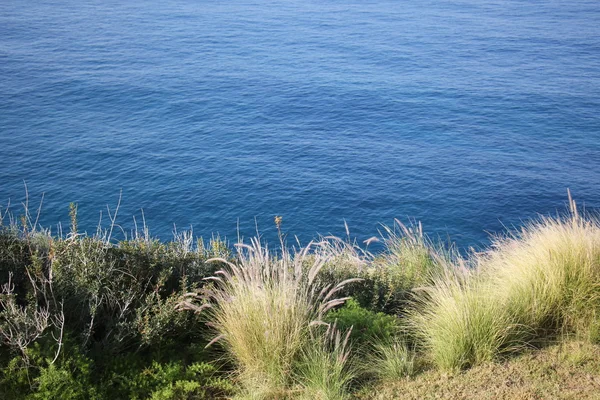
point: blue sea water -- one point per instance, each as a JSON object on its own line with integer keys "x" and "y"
{"x": 468, "y": 115}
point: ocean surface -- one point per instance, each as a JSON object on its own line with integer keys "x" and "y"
{"x": 471, "y": 116}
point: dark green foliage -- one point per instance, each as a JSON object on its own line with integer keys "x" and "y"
{"x": 100, "y": 320}
{"x": 70, "y": 380}
{"x": 173, "y": 381}
{"x": 14, "y": 253}
{"x": 387, "y": 280}
{"x": 133, "y": 376}
{"x": 123, "y": 296}
{"x": 14, "y": 378}
{"x": 177, "y": 371}
{"x": 17, "y": 254}
{"x": 40, "y": 377}
{"x": 367, "y": 326}
{"x": 381, "y": 289}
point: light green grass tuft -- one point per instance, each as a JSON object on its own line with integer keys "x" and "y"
{"x": 391, "y": 361}
{"x": 548, "y": 276}
{"x": 409, "y": 255}
{"x": 529, "y": 288}
{"x": 262, "y": 308}
{"x": 324, "y": 371}
{"x": 460, "y": 324}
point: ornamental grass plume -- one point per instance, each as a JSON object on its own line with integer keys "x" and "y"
{"x": 458, "y": 322}
{"x": 531, "y": 287}
{"x": 324, "y": 369}
{"x": 262, "y": 308}
{"x": 548, "y": 276}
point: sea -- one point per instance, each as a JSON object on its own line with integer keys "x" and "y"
{"x": 470, "y": 116}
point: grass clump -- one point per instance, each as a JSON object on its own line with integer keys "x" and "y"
{"x": 528, "y": 289}
{"x": 392, "y": 360}
{"x": 548, "y": 276}
{"x": 262, "y": 308}
{"x": 409, "y": 255}
{"x": 460, "y": 324}
{"x": 324, "y": 371}
{"x": 408, "y": 260}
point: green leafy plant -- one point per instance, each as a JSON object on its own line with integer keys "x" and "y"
{"x": 41, "y": 376}
{"x": 173, "y": 381}
{"x": 367, "y": 326}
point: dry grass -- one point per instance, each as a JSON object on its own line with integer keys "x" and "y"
{"x": 563, "y": 371}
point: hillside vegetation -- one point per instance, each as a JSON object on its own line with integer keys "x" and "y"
{"x": 87, "y": 317}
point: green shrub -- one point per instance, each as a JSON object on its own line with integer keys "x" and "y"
{"x": 42, "y": 377}
{"x": 14, "y": 379}
{"x": 173, "y": 381}
{"x": 111, "y": 299}
{"x": 124, "y": 295}
{"x": 23, "y": 255}
{"x": 14, "y": 257}
{"x": 409, "y": 260}
{"x": 62, "y": 383}
{"x": 367, "y": 326}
